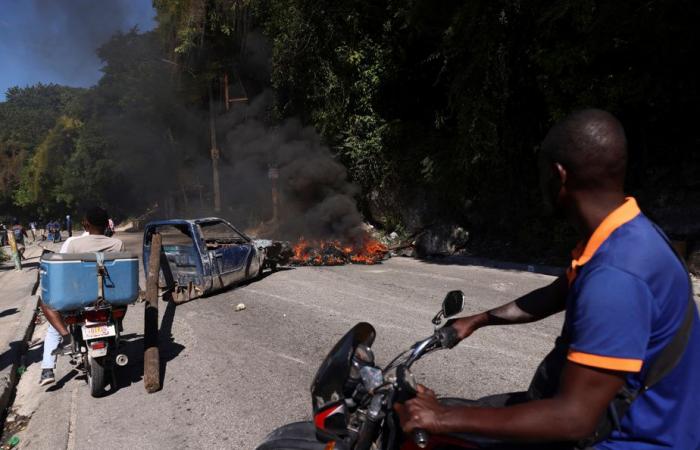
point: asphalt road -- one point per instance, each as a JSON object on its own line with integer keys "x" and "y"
{"x": 231, "y": 377}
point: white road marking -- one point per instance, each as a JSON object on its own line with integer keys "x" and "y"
{"x": 326, "y": 309}
{"x": 282, "y": 355}
{"x": 70, "y": 445}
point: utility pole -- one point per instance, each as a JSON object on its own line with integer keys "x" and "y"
{"x": 273, "y": 174}
{"x": 216, "y": 186}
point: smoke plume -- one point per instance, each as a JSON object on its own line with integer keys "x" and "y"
{"x": 316, "y": 198}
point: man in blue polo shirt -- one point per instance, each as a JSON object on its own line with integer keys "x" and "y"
{"x": 626, "y": 296}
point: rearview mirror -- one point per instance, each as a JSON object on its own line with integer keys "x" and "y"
{"x": 453, "y": 303}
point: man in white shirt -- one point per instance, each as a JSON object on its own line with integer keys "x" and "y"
{"x": 58, "y": 339}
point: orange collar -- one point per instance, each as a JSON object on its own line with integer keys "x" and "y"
{"x": 620, "y": 216}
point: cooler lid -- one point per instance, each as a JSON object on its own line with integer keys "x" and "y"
{"x": 87, "y": 257}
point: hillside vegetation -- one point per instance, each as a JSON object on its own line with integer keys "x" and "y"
{"x": 435, "y": 109}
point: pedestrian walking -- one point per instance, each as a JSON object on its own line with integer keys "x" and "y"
{"x": 3, "y": 235}
{"x": 14, "y": 251}
{"x": 49, "y": 230}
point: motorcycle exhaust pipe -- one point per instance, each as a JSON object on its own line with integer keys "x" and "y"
{"x": 121, "y": 360}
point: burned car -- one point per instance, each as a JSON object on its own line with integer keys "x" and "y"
{"x": 201, "y": 256}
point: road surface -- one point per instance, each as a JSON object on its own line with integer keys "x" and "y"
{"x": 231, "y": 377}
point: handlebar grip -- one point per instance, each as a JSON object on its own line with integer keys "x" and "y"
{"x": 420, "y": 437}
{"x": 448, "y": 337}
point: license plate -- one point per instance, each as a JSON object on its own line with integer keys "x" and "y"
{"x": 98, "y": 331}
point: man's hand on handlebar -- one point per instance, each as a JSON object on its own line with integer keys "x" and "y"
{"x": 465, "y": 326}
{"x": 421, "y": 412}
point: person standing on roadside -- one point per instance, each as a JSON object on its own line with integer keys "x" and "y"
{"x": 32, "y": 228}
{"x": 19, "y": 233}
{"x": 56, "y": 228}
{"x": 110, "y": 228}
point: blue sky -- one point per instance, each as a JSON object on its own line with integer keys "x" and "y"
{"x": 54, "y": 41}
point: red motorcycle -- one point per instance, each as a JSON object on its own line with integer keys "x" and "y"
{"x": 353, "y": 399}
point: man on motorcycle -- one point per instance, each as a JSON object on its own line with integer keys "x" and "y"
{"x": 58, "y": 339}
{"x": 626, "y": 297}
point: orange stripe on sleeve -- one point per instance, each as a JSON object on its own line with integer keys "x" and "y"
{"x": 605, "y": 362}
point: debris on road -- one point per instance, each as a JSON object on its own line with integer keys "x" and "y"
{"x": 14, "y": 423}
{"x": 240, "y": 307}
{"x": 12, "y": 442}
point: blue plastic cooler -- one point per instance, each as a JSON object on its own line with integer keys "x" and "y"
{"x": 69, "y": 281}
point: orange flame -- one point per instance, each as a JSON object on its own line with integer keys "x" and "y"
{"x": 334, "y": 253}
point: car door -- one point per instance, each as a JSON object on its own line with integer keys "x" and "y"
{"x": 229, "y": 250}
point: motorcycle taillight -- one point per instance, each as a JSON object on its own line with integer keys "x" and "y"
{"x": 100, "y": 315}
{"x": 118, "y": 313}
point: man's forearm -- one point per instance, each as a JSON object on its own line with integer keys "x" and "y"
{"x": 536, "y": 305}
{"x": 533, "y": 306}
{"x": 541, "y": 420}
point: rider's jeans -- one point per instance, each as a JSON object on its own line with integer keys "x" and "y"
{"x": 51, "y": 342}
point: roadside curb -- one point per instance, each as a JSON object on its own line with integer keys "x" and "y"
{"x": 495, "y": 264}
{"x": 9, "y": 375}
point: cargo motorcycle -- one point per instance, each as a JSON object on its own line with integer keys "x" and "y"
{"x": 92, "y": 291}
{"x": 96, "y": 336}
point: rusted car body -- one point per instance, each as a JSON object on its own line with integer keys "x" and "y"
{"x": 201, "y": 256}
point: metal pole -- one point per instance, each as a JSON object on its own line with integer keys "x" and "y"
{"x": 273, "y": 174}
{"x": 216, "y": 186}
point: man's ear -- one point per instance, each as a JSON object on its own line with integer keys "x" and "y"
{"x": 560, "y": 173}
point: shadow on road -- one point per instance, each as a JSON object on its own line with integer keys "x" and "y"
{"x": 9, "y": 312}
{"x": 7, "y": 358}
{"x": 259, "y": 278}
{"x": 133, "y": 347}
{"x": 169, "y": 349}
{"x": 73, "y": 373}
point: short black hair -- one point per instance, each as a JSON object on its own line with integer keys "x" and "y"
{"x": 97, "y": 216}
{"x": 591, "y": 145}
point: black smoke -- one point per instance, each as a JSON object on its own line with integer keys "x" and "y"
{"x": 316, "y": 197}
